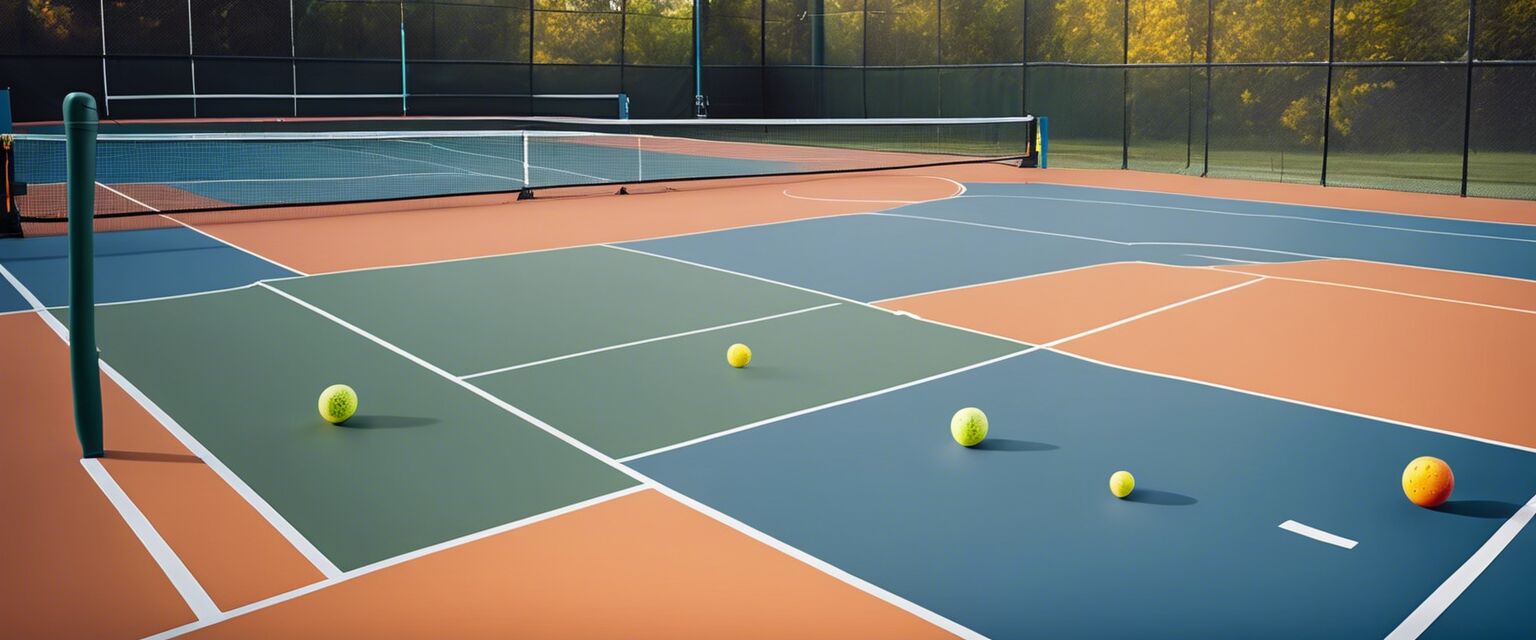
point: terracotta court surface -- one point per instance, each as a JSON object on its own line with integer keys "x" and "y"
{"x": 551, "y": 444}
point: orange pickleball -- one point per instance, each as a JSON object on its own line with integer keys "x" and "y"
{"x": 1428, "y": 481}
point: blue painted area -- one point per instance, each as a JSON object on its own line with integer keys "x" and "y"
{"x": 132, "y": 265}
{"x": 873, "y": 257}
{"x": 1494, "y": 605}
{"x": 1508, "y": 250}
{"x": 10, "y": 299}
{"x": 1022, "y": 538}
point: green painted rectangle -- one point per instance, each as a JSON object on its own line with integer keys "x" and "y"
{"x": 640, "y": 398}
{"x": 424, "y": 461}
{"x": 478, "y": 315}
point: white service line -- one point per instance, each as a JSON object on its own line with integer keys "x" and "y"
{"x": 390, "y": 562}
{"x": 1196, "y": 255}
{"x": 1288, "y": 204}
{"x": 959, "y": 190}
{"x": 191, "y": 591}
{"x": 204, "y": 233}
{"x": 1268, "y": 215}
{"x": 988, "y": 283}
{"x": 1317, "y": 534}
{"x": 891, "y": 598}
{"x": 1303, "y": 403}
{"x": 1438, "y": 601}
{"x": 879, "y": 392}
{"x": 1394, "y": 292}
{"x": 636, "y": 343}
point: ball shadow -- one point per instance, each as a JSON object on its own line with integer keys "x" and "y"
{"x": 1479, "y": 508}
{"x": 1005, "y": 444}
{"x": 386, "y": 422}
{"x": 1162, "y": 498}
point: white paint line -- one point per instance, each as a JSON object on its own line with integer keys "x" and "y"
{"x": 128, "y": 197}
{"x": 744, "y": 275}
{"x": 1196, "y": 255}
{"x": 283, "y": 527}
{"x": 1438, "y": 601}
{"x": 194, "y": 294}
{"x": 1002, "y": 228}
{"x": 191, "y": 591}
{"x": 1317, "y": 534}
{"x": 1144, "y": 314}
{"x": 1234, "y": 246}
{"x": 787, "y": 194}
{"x": 635, "y": 343}
{"x": 1028, "y": 349}
{"x": 890, "y": 598}
{"x": 820, "y": 407}
{"x": 1266, "y": 215}
{"x": 989, "y": 283}
{"x": 26, "y": 294}
{"x": 1288, "y": 204}
{"x": 1303, "y": 403}
{"x": 390, "y": 562}
{"x": 234, "y": 246}
{"x": 1393, "y": 292}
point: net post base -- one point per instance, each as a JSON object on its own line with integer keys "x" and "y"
{"x": 525, "y": 194}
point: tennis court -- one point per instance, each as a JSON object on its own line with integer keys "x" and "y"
{"x": 550, "y": 442}
{"x": 811, "y": 319}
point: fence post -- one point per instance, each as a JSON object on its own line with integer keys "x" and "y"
{"x": 1125, "y": 84}
{"x": 1328, "y": 96}
{"x": 1210, "y": 44}
{"x": 1466, "y": 123}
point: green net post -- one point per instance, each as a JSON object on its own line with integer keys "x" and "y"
{"x": 85, "y": 367}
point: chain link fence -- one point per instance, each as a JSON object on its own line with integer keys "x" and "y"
{"x": 1402, "y": 94}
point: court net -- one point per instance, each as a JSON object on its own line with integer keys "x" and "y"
{"x": 147, "y": 174}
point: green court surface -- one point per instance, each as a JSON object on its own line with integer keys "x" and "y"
{"x": 426, "y": 460}
{"x": 633, "y": 400}
{"x": 478, "y": 315}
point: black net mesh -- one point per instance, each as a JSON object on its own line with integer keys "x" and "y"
{"x": 1167, "y": 120}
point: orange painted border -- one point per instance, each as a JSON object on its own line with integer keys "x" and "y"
{"x": 638, "y": 566}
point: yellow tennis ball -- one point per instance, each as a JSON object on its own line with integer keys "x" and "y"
{"x": 1122, "y": 483}
{"x": 337, "y": 403}
{"x": 969, "y": 426}
{"x": 738, "y": 355}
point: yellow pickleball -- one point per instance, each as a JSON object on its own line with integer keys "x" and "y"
{"x": 1122, "y": 483}
{"x": 968, "y": 426}
{"x": 337, "y": 403}
{"x": 738, "y": 355}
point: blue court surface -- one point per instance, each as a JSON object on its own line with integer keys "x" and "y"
{"x": 1021, "y": 539}
{"x": 10, "y": 299}
{"x": 133, "y": 265}
{"x": 1002, "y": 231}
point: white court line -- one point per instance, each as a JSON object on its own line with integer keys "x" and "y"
{"x": 636, "y": 343}
{"x": 460, "y": 170}
{"x": 879, "y": 392}
{"x": 1303, "y": 403}
{"x": 1266, "y": 215}
{"x": 1393, "y": 292}
{"x": 1428, "y": 611}
{"x": 191, "y": 591}
{"x": 390, "y": 562}
{"x": 1317, "y": 534}
{"x": 847, "y": 578}
{"x": 203, "y": 233}
{"x": 170, "y": 564}
{"x": 1014, "y": 279}
{"x": 1196, "y": 255}
{"x": 289, "y": 533}
{"x": 960, "y": 190}
{"x": 1288, "y": 204}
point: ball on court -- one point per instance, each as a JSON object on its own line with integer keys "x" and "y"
{"x": 1122, "y": 483}
{"x": 337, "y": 403}
{"x": 969, "y": 426}
{"x": 738, "y": 355}
{"x": 1428, "y": 481}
